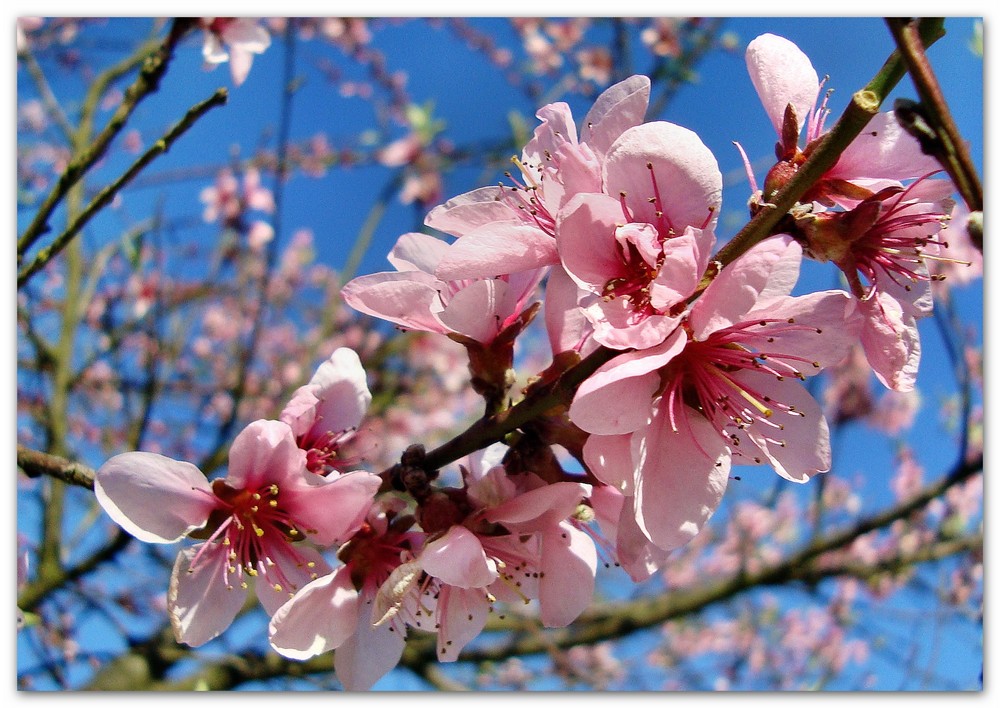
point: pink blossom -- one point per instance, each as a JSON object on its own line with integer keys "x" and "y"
{"x": 338, "y": 611}
{"x": 789, "y": 89}
{"x": 516, "y": 544}
{"x": 226, "y": 201}
{"x": 965, "y": 262}
{"x": 253, "y": 520}
{"x": 413, "y": 297}
{"x": 236, "y": 40}
{"x": 507, "y": 229}
{"x": 638, "y": 255}
{"x": 882, "y": 246}
{"x": 723, "y": 384}
{"x": 325, "y": 413}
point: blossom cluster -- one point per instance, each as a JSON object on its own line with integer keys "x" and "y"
{"x": 609, "y": 225}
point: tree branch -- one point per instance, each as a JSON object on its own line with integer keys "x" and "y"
{"x": 952, "y": 151}
{"x": 863, "y": 107}
{"x": 154, "y": 65}
{"x": 105, "y": 196}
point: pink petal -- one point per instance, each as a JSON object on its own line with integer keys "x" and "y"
{"x": 616, "y": 398}
{"x": 680, "y": 477}
{"x": 883, "y": 151}
{"x": 247, "y": 33}
{"x": 579, "y": 170}
{"x": 636, "y": 555}
{"x": 802, "y": 448}
{"x": 477, "y": 310}
{"x": 891, "y": 342}
{"x": 264, "y": 453}
{"x": 415, "y": 251}
{"x": 200, "y": 603}
{"x": 240, "y": 62}
{"x": 831, "y": 326}
{"x": 557, "y": 127}
{"x": 154, "y": 498}
{"x": 462, "y": 616}
{"x": 329, "y": 509}
{"x": 483, "y": 461}
{"x": 300, "y": 412}
{"x": 686, "y": 172}
{"x": 212, "y": 50}
{"x": 457, "y": 558}
{"x": 320, "y": 617}
{"x": 767, "y": 271}
{"x": 341, "y": 387}
{"x": 368, "y": 654}
{"x": 782, "y": 74}
{"x": 567, "y": 326}
{"x": 617, "y": 109}
{"x": 407, "y": 299}
{"x": 609, "y": 458}
{"x": 569, "y": 565}
{"x": 467, "y": 212}
{"x": 497, "y": 249}
{"x": 538, "y": 508}
{"x": 586, "y": 240}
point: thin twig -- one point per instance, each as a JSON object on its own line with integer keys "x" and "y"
{"x": 105, "y": 196}
{"x": 154, "y": 65}
{"x": 863, "y": 107}
{"x": 954, "y": 153}
{"x": 36, "y": 463}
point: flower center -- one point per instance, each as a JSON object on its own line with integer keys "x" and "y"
{"x": 526, "y": 196}
{"x": 704, "y": 376}
{"x": 256, "y": 532}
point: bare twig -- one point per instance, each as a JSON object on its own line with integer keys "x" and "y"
{"x": 948, "y": 146}
{"x": 105, "y": 196}
{"x": 154, "y": 65}
{"x": 863, "y": 107}
{"x": 36, "y": 464}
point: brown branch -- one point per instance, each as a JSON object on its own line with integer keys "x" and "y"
{"x": 107, "y": 194}
{"x": 37, "y": 464}
{"x": 154, "y": 66}
{"x": 946, "y": 143}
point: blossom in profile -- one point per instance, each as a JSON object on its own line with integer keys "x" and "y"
{"x": 883, "y": 247}
{"x": 236, "y": 40}
{"x": 415, "y": 298}
{"x": 260, "y": 522}
{"x": 325, "y": 413}
{"x": 789, "y": 90}
{"x": 725, "y": 386}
